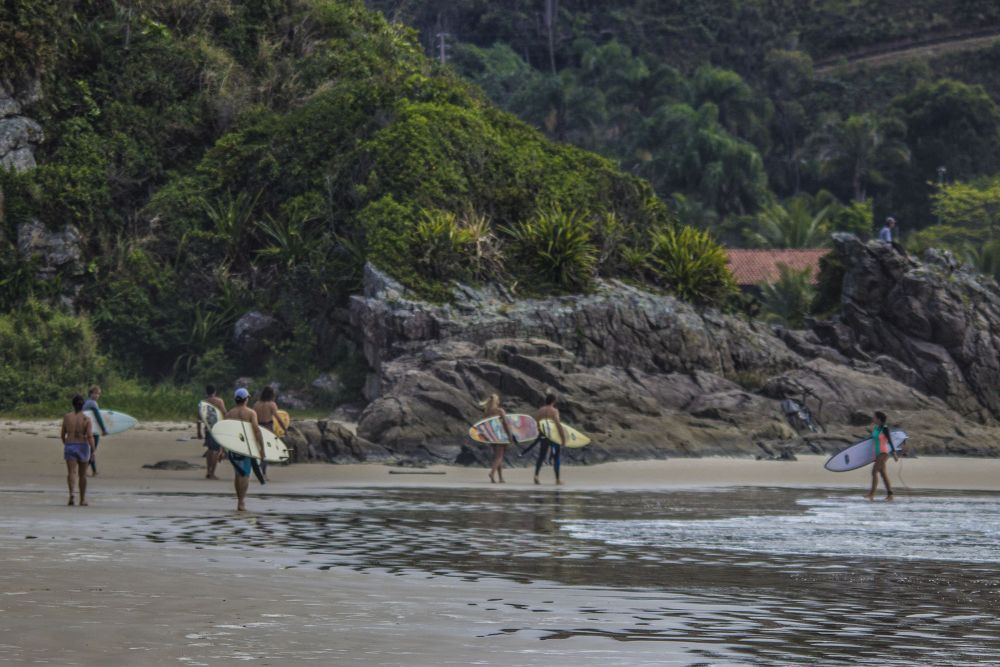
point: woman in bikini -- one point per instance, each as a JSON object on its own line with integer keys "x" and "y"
{"x": 492, "y": 408}
{"x": 78, "y": 442}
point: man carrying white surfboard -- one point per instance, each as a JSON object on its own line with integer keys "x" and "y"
{"x": 243, "y": 465}
{"x": 882, "y": 442}
{"x": 214, "y": 451}
{"x": 546, "y": 446}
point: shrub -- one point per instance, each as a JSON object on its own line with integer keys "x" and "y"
{"x": 689, "y": 263}
{"x": 788, "y": 299}
{"x": 46, "y": 355}
{"x": 555, "y": 251}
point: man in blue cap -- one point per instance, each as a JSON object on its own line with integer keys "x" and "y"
{"x": 244, "y": 465}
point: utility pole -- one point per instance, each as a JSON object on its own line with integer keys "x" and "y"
{"x": 443, "y": 47}
{"x": 551, "y": 10}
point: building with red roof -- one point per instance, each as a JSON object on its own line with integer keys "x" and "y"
{"x": 752, "y": 267}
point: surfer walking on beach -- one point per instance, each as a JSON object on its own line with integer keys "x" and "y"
{"x": 882, "y": 442}
{"x": 90, "y": 405}
{"x": 214, "y": 452}
{"x": 267, "y": 408}
{"x": 243, "y": 465}
{"x": 78, "y": 439}
{"x": 547, "y": 447}
{"x": 492, "y": 408}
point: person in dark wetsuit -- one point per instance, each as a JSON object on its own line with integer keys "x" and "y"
{"x": 882, "y": 442}
{"x": 214, "y": 452}
{"x": 546, "y": 446}
{"x": 78, "y": 439}
{"x": 243, "y": 465}
{"x": 90, "y": 405}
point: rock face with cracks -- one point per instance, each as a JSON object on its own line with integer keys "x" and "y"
{"x": 649, "y": 376}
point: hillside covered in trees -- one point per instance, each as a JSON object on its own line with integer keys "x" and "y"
{"x": 178, "y": 166}
{"x": 749, "y": 117}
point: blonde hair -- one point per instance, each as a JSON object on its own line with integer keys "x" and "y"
{"x": 93, "y": 388}
{"x": 491, "y": 404}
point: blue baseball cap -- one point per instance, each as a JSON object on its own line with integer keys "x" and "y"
{"x": 242, "y": 393}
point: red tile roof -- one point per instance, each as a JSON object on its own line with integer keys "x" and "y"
{"x": 753, "y": 267}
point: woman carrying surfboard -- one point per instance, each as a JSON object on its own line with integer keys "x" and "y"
{"x": 882, "y": 442}
{"x": 492, "y": 408}
{"x": 267, "y": 416}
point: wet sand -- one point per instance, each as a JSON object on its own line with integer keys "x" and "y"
{"x": 155, "y": 571}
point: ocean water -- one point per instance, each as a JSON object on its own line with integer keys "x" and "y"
{"x": 722, "y": 576}
{"x": 767, "y": 576}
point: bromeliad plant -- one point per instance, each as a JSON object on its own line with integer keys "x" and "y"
{"x": 555, "y": 249}
{"x": 689, "y": 263}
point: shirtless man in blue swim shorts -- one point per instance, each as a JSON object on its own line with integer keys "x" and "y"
{"x": 243, "y": 465}
{"x": 78, "y": 441}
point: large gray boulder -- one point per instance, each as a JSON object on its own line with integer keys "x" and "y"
{"x": 56, "y": 250}
{"x": 254, "y": 331}
{"x": 19, "y": 135}
{"x": 934, "y": 325}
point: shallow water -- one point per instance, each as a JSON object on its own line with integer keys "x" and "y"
{"x": 775, "y": 575}
{"x": 765, "y": 576}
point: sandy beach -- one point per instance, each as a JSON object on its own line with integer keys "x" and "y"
{"x": 138, "y": 578}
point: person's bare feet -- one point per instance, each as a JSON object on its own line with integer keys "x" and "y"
{"x": 71, "y": 502}
{"x": 211, "y": 477}
{"x": 241, "y": 508}
{"x": 536, "y": 480}
{"x": 84, "y": 503}
{"x": 559, "y": 482}
{"x": 889, "y": 497}
{"x": 492, "y": 481}
{"x": 869, "y": 497}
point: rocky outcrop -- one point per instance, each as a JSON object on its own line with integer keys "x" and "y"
{"x": 55, "y": 250}
{"x": 329, "y": 441}
{"x": 647, "y": 375}
{"x": 934, "y": 325}
{"x": 19, "y": 135}
{"x": 254, "y": 331}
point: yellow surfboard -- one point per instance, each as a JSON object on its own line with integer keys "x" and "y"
{"x": 281, "y": 422}
{"x": 574, "y": 437}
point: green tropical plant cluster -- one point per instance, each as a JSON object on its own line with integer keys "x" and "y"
{"x": 220, "y": 157}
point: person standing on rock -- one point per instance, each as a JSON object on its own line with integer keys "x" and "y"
{"x": 78, "y": 440}
{"x": 885, "y": 234}
{"x": 243, "y": 465}
{"x": 214, "y": 453}
{"x": 90, "y": 405}
{"x": 882, "y": 442}
{"x": 492, "y": 408}
{"x": 545, "y": 446}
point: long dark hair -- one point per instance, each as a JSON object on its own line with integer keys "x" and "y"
{"x": 267, "y": 393}
{"x": 78, "y": 403}
{"x": 880, "y": 416}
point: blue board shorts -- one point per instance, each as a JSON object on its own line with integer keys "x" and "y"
{"x": 77, "y": 451}
{"x": 242, "y": 464}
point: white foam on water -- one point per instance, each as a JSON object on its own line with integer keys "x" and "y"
{"x": 964, "y": 529}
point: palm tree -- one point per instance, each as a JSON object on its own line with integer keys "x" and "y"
{"x": 859, "y": 146}
{"x": 793, "y": 225}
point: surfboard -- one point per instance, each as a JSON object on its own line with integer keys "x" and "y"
{"x": 281, "y": 417}
{"x": 550, "y": 431}
{"x": 861, "y": 454}
{"x": 114, "y": 421}
{"x": 237, "y": 436}
{"x": 210, "y": 415}
{"x": 491, "y": 430}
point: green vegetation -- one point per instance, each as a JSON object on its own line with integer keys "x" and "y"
{"x": 789, "y": 299}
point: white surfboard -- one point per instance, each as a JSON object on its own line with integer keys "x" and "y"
{"x": 114, "y": 421}
{"x": 237, "y": 436}
{"x": 861, "y": 454}
{"x": 210, "y": 415}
